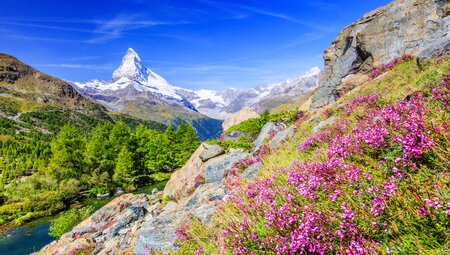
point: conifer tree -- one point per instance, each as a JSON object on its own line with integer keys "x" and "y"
{"x": 67, "y": 149}
{"x": 124, "y": 174}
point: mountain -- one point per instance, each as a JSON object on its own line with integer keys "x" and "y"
{"x": 221, "y": 104}
{"x": 138, "y": 91}
{"x": 19, "y": 80}
{"x": 31, "y": 100}
{"x": 133, "y": 84}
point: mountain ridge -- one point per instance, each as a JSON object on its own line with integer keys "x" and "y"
{"x": 214, "y": 104}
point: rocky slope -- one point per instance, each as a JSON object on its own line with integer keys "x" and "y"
{"x": 417, "y": 27}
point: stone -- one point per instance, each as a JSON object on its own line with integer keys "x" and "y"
{"x": 234, "y": 135}
{"x": 183, "y": 180}
{"x": 240, "y": 116}
{"x": 251, "y": 171}
{"x": 109, "y": 227}
{"x": 211, "y": 151}
{"x": 324, "y": 123}
{"x": 418, "y": 27}
{"x": 215, "y": 168}
{"x": 119, "y": 191}
{"x": 103, "y": 195}
{"x": 170, "y": 206}
{"x": 154, "y": 191}
{"x": 265, "y": 133}
{"x": 281, "y": 137}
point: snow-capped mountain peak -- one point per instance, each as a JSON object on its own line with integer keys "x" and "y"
{"x": 132, "y": 72}
{"x": 131, "y": 67}
{"x": 133, "y": 81}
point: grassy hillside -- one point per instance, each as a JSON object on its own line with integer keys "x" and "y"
{"x": 376, "y": 181}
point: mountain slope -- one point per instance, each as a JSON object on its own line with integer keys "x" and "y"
{"x": 31, "y": 100}
{"x": 20, "y": 80}
{"x": 138, "y": 91}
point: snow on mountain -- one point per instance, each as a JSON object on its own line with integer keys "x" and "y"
{"x": 221, "y": 104}
{"x": 132, "y": 78}
{"x": 132, "y": 72}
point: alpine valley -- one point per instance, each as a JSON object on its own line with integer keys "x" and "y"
{"x": 352, "y": 159}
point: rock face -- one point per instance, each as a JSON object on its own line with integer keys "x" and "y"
{"x": 238, "y": 117}
{"x": 418, "y": 27}
{"x": 252, "y": 171}
{"x": 281, "y": 137}
{"x": 211, "y": 151}
{"x": 111, "y": 228}
{"x": 265, "y": 133}
{"x": 183, "y": 180}
{"x": 216, "y": 167}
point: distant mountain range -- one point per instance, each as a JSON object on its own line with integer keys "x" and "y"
{"x": 138, "y": 91}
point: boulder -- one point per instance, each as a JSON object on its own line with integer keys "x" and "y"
{"x": 183, "y": 180}
{"x": 119, "y": 191}
{"x": 215, "y": 168}
{"x": 103, "y": 195}
{"x": 324, "y": 123}
{"x": 265, "y": 133}
{"x": 211, "y": 151}
{"x": 281, "y": 137}
{"x": 238, "y": 117}
{"x": 251, "y": 171}
{"x": 158, "y": 232}
{"x": 112, "y": 227}
{"x": 154, "y": 191}
{"x": 234, "y": 135}
{"x": 419, "y": 27}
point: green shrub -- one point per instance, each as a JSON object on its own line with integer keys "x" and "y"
{"x": 160, "y": 176}
{"x": 69, "y": 219}
{"x": 227, "y": 145}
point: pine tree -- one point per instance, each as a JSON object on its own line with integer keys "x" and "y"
{"x": 124, "y": 174}
{"x": 119, "y": 137}
{"x": 68, "y": 149}
{"x": 187, "y": 143}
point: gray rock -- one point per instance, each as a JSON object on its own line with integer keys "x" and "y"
{"x": 170, "y": 206}
{"x": 419, "y": 27}
{"x": 119, "y": 191}
{"x": 265, "y": 132}
{"x": 132, "y": 214}
{"x": 103, "y": 195}
{"x": 211, "y": 151}
{"x": 251, "y": 172}
{"x": 154, "y": 191}
{"x": 323, "y": 124}
{"x": 281, "y": 137}
{"x": 234, "y": 135}
{"x": 216, "y": 167}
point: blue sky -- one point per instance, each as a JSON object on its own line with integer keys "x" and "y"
{"x": 211, "y": 44}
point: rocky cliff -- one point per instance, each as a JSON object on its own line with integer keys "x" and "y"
{"x": 417, "y": 27}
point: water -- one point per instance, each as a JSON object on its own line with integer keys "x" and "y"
{"x": 26, "y": 239}
{"x": 33, "y": 236}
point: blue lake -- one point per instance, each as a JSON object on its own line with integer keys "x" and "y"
{"x": 25, "y": 239}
